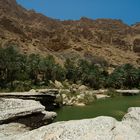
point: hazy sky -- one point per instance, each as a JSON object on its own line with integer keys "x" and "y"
{"x": 127, "y": 10}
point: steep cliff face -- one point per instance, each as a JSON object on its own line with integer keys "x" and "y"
{"x": 110, "y": 39}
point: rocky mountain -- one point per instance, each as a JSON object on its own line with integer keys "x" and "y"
{"x": 31, "y": 32}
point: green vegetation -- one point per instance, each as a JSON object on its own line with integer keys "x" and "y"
{"x": 125, "y": 76}
{"x": 22, "y": 72}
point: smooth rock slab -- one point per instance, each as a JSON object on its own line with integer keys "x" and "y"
{"x": 12, "y": 129}
{"x": 132, "y": 118}
{"x": 14, "y": 108}
{"x": 72, "y": 130}
{"x": 100, "y": 128}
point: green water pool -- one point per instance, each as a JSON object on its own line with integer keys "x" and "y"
{"x": 115, "y": 107}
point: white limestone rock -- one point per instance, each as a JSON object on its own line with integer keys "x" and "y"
{"x": 100, "y": 128}
{"x": 13, "y": 108}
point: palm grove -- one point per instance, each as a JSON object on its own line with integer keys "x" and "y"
{"x": 23, "y": 72}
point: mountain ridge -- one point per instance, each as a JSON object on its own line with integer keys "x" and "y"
{"x": 86, "y": 38}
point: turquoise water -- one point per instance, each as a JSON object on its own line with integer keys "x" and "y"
{"x": 115, "y": 107}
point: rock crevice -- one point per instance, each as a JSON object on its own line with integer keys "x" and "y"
{"x": 18, "y": 116}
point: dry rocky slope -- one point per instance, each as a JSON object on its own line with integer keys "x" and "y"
{"x": 110, "y": 39}
{"x": 100, "y": 128}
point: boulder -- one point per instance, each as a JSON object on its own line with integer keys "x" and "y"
{"x": 58, "y": 84}
{"x": 81, "y": 96}
{"x": 79, "y": 104}
{"x": 83, "y": 88}
{"x": 14, "y": 108}
{"x": 32, "y": 91}
{"x": 73, "y": 90}
{"x": 49, "y": 115}
{"x": 101, "y": 96}
{"x": 74, "y": 86}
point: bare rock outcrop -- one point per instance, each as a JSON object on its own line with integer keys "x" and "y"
{"x": 136, "y": 46}
{"x": 100, "y": 128}
{"x": 12, "y": 129}
{"x": 18, "y": 116}
{"x": 32, "y": 32}
{"x": 14, "y": 108}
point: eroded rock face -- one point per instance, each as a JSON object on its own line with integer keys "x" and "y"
{"x": 136, "y": 46}
{"x": 100, "y": 128}
{"x": 18, "y": 116}
{"x": 35, "y": 33}
{"x": 28, "y": 112}
{"x": 14, "y": 108}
